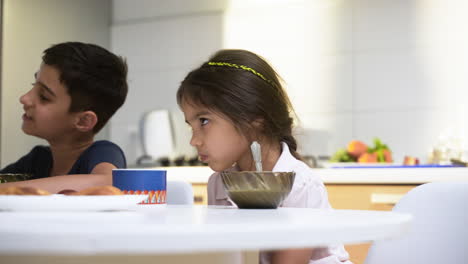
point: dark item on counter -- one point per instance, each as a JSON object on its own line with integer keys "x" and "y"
{"x": 179, "y": 161}
{"x": 459, "y": 162}
{"x": 164, "y": 161}
{"x": 14, "y": 177}
{"x": 194, "y": 161}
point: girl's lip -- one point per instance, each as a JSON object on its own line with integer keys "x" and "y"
{"x": 202, "y": 158}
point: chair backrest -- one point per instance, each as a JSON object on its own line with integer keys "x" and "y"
{"x": 439, "y": 232}
{"x": 179, "y": 192}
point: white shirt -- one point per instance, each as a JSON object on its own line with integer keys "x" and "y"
{"x": 308, "y": 191}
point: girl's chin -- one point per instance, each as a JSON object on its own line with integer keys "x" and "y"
{"x": 214, "y": 168}
{"x": 218, "y": 167}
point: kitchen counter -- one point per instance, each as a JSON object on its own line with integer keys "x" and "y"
{"x": 392, "y": 175}
{"x": 200, "y": 175}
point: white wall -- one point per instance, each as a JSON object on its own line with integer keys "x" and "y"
{"x": 353, "y": 69}
{"x": 409, "y": 59}
{"x": 296, "y": 37}
{"x": 29, "y": 27}
{"x": 162, "y": 40}
{"x": 364, "y": 68}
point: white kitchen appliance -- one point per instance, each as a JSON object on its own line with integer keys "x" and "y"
{"x": 157, "y": 136}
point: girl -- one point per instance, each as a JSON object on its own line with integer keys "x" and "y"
{"x": 232, "y": 100}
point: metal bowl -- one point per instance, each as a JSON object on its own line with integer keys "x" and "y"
{"x": 257, "y": 190}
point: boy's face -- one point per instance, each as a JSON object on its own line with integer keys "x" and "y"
{"x": 216, "y": 139}
{"x": 46, "y": 106}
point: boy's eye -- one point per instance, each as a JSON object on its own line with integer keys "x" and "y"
{"x": 43, "y": 98}
{"x": 203, "y": 121}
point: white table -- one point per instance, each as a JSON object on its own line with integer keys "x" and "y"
{"x": 188, "y": 229}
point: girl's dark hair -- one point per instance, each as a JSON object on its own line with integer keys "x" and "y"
{"x": 95, "y": 78}
{"x": 243, "y": 87}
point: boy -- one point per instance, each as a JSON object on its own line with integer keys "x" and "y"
{"x": 77, "y": 89}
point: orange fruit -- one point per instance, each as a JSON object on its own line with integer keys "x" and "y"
{"x": 356, "y": 148}
{"x": 368, "y": 158}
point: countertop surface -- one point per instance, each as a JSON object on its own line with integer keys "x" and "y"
{"x": 200, "y": 174}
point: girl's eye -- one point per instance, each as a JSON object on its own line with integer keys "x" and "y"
{"x": 203, "y": 121}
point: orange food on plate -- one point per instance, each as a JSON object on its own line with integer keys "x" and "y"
{"x": 97, "y": 190}
{"x": 100, "y": 190}
{"x": 18, "y": 190}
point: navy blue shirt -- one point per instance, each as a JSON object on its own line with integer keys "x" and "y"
{"x": 38, "y": 161}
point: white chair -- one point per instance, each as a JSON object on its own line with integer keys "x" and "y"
{"x": 439, "y": 232}
{"x": 179, "y": 192}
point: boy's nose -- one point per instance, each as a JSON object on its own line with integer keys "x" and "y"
{"x": 25, "y": 99}
{"x": 22, "y": 99}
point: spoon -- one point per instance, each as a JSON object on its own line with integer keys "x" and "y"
{"x": 257, "y": 155}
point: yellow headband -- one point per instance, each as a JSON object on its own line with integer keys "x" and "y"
{"x": 243, "y": 67}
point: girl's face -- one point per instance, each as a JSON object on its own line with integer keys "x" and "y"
{"x": 216, "y": 139}
{"x": 46, "y": 106}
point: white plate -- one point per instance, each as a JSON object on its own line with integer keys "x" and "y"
{"x": 59, "y": 202}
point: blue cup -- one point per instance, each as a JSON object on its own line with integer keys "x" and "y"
{"x": 142, "y": 181}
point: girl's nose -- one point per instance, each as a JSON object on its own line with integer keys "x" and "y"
{"x": 195, "y": 141}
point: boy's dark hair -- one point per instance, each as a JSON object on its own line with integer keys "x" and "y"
{"x": 243, "y": 87}
{"x": 95, "y": 78}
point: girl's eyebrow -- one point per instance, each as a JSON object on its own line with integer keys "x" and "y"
{"x": 197, "y": 115}
{"x": 47, "y": 89}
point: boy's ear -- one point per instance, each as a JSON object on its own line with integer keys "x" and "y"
{"x": 86, "y": 121}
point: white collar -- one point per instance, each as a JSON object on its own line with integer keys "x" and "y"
{"x": 286, "y": 160}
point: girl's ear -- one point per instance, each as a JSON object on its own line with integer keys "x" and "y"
{"x": 258, "y": 124}
{"x": 255, "y": 130}
{"x": 86, "y": 121}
